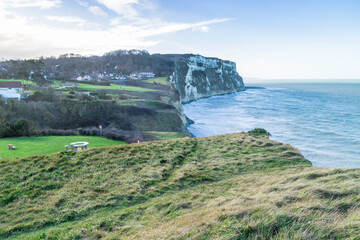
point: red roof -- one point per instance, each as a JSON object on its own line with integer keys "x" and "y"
{"x": 10, "y": 84}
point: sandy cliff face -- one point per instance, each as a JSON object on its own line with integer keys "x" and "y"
{"x": 197, "y": 77}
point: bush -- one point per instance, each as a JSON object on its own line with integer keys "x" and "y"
{"x": 19, "y": 128}
{"x": 259, "y": 132}
{"x": 118, "y": 134}
{"x": 92, "y": 131}
{"x": 105, "y": 97}
{"x": 57, "y": 132}
{"x": 47, "y": 95}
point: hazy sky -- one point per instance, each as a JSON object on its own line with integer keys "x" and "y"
{"x": 266, "y": 38}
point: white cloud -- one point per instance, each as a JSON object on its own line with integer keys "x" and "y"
{"x": 84, "y": 4}
{"x": 42, "y": 4}
{"x": 97, "y": 11}
{"x": 67, "y": 19}
{"x": 204, "y": 29}
{"x": 126, "y": 8}
{"x": 23, "y": 37}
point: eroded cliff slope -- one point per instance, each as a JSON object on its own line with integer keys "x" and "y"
{"x": 197, "y": 77}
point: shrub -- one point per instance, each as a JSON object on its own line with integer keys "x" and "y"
{"x": 47, "y": 95}
{"x": 56, "y": 132}
{"x": 259, "y": 132}
{"x": 118, "y": 134}
{"x": 20, "y": 127}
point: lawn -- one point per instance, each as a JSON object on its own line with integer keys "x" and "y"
{"x": 15, "y": 80}
{"x": 28, "y": 146}
{"x": 160, "y": 80}
{"x": 90, "y": 87}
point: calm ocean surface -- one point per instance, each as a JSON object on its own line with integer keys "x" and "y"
{"x": 320, "y": 119}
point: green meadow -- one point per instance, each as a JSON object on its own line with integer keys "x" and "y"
{"x": 159, "y": 80}
{"x": 89, "y": 87}
{"x": 22, "y": 81}
{"x": 28, "y": 146}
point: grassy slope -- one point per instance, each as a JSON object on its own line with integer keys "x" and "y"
{"x": 159, "y": 80}
{"x": 168, "y": 135}
{"x": 83, "y": 86}
{"x": 225, "y": 187}
{"x": 28, "y": 146}
{"x": 14, "y": 80}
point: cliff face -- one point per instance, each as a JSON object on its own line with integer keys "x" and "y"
{"x": 198, "y": 77}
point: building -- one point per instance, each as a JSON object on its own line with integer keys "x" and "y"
{"x": 134, "y": 75}
{"x": 4, "y": 72}
{"x": 85, "y": 78}
{"x": 68, "y": 85}
{"x": 142, "y": 75}
{"x": 147, "y": 75}
{"x": 10, "y": 90}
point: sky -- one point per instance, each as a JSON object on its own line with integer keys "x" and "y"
{"x": 268, "y": 39}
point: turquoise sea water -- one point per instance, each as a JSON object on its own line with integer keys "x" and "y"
{"x": 320, "y": 119}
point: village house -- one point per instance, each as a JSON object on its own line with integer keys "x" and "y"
{"x": 147, "y": 75}
{"x": 134, "y": 75}
{"x": 10, "y": 90}
{"x": 68, "y": 85}
{"x": 85, "y": 78}
{"x": 4, "y": 72}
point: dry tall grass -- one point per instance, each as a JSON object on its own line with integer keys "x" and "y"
{"x": 225, "y": 187}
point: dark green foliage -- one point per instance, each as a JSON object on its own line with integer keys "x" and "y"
{"x": 259, "y": 132}
{"x": 47, "y": 95}
{"x": 69, "y": 65}
{"x": 20, "y": 127}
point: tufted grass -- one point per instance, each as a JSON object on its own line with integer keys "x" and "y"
{"x": 225, "y": 187}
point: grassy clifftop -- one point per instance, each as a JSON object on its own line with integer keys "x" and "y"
{"x": 225, "y": 187}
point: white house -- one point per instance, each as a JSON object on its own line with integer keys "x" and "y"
{"x": 134, "y": 75}
{"x": 147, "y": 75}
{"x": 10, "y": 90}
{"x": 85, "y": 78}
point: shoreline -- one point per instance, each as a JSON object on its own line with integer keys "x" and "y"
{"x": 320, "y": 134}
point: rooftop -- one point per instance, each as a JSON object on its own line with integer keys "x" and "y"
{"x": 10, "y": 84}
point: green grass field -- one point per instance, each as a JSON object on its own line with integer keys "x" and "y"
{"x": 160, "y": 80}
{"x": 28, "y": 146}
{"x": 234, "y": 186}
{"x": 89, "y": 87}
{"x": 22, "y": 81}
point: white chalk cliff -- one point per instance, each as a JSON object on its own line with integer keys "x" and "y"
{"x": 197, "y": 77}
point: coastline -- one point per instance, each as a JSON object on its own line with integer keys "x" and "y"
{"x": 304, "y": 116}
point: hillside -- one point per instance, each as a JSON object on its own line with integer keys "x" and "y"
{"x": 63, "y": 102}
{"x": 225, "y": 187}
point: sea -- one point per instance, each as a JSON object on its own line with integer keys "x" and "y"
{"x": 321, "y": 119}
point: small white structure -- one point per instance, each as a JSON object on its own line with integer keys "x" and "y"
{"x": 85, "y": 78}
{"x": 78, "y": 146}
{"x": 134, "y": 75}
{"x": 147, "y": 75}
{"x": 10, "y": 90}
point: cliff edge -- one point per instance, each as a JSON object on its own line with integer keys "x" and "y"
{"x": 198, "y": 77}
